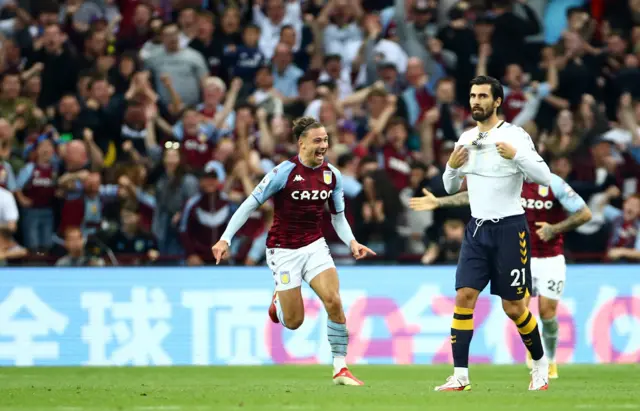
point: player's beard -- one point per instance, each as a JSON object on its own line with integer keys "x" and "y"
{"x": 482, "y": 114}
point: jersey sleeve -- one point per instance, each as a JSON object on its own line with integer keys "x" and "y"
{"x": 529, "y": 161}
{"x": 569, "y": 199}
{"x": 336, "y": 201}
{"x": 274, "y": 181}
{"x": 24, "y": 176}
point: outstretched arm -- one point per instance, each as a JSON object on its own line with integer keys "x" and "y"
{"x": 456, "y": 200}
{"x": 339, "y": 220}
{"x": 431, "y": 202}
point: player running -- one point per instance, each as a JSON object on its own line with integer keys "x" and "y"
{"x": 495, "y": 157}
{"x": 296, "y": 249}
{"x": 546, "y": 210}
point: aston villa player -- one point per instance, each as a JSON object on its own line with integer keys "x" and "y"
{"x": 296, "y": 249}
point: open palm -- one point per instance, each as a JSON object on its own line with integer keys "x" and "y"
{"x": 426, "y": 203}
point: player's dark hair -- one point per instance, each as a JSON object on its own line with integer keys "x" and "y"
{"x": 304, "y": 124}
{"x": 496, "y": 87}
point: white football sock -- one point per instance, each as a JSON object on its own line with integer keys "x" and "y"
{"x": 461, "y": 373}
{"x": 338, "y": 364}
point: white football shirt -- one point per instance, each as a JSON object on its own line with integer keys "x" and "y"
{"x": 495, "y": 183}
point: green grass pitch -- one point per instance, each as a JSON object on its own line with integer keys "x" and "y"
{"x": 281, "y": 388}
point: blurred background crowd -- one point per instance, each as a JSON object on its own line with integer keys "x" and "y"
{"x": 130, "y": 130}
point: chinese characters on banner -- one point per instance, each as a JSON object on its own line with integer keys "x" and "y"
{"x": 138, "y": 316}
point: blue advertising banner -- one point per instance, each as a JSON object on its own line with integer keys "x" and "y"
{"x": 395, "y": 315}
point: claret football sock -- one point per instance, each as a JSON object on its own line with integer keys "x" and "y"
{"x": 530, "y": 334}
{"x": 461, "y": 334}
{"x": 339, "y": 340}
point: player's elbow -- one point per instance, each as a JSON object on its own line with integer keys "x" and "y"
{"x": 451, "y": 188}
{"x": 543, "y": 177}
{"x": 585, "y": 215}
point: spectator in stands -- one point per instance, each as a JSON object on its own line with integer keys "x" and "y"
{"x": 185, "y": 67}
{"x": 446, "y": 249}
{"x": 250, "y": 243}
{"x": 7, "y": 176}
{"x": 203, "y": 219}
{"x": 74, "y": 243}
{"x": 35, "y": 193}
{"x": 155, "y": 97}
{"x": 245, "y": 59}
{"x": 212, "y": 51}
{"x": 624, "y": 242}
{"x": 285, "y": 73}
{"x": 131, "y": 239}
{"x": 173, "y": 188}
{"x": 415, "y": 223}
{"x": 377, "y": 208}
{"x": 278, "y": 14}
{"x": 60, "y": 71}
{"x": 86, "y": 211}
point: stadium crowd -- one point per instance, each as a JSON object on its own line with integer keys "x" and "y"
{"x": 130, "y": 130}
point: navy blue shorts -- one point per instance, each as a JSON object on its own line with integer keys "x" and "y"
{"x": 498, "y": 253}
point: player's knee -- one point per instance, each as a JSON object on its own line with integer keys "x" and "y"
{"x": 547, "y": 311}
{"x": 513, "y": 309}
{"x": 293, "y": 321}
{"x": 332, "y": 303}
{"x": 466, "y": 297}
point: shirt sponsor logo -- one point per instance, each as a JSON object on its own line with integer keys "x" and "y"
{"x": 311, "y": 194}
{"x": 531, "y": 204}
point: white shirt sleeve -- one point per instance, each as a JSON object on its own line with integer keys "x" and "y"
{"x": 529, "y": 161}
{"x": 452, "y": 180}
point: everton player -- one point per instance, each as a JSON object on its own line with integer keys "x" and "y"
{"x": 546, "y": 209}
{"x": 296, "y": 250}
{"x": 495, "y": 158}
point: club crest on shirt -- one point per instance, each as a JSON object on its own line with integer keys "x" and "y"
{"x": 543, "y": 191}
{"x": 327, "y": 177}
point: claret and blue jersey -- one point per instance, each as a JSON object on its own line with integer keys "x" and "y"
{"x": 299, "y": 195}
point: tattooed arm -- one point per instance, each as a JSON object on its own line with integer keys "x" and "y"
{"x": 575, "y": 220}
{"x": 572, "y": 203}
{"x": 456, "y": 200}
{"x": 430, "y": 202}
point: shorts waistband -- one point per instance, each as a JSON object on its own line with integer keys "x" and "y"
{"x": 499, "y": 221}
